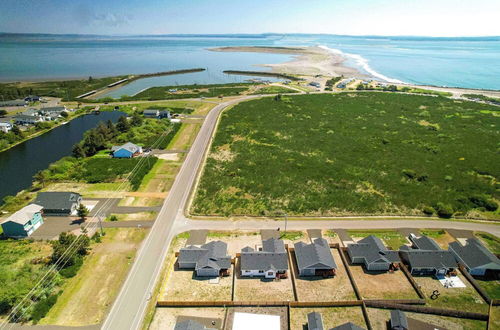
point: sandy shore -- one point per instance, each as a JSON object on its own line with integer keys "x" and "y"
{"x": 306, "y": 61}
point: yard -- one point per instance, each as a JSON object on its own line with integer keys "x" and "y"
{"x": 165, "y": 318}
{"x": 451, "y": 298}
{"x": 492, "y": 287}
{"x": 491, "y": 241}
{"x": 382, "y": 285}
{"x": 88, "y": 296}
{"x": 379, "y": 318}
{"x": 391, "y": 238}
{"x": 351, "y": 153}
{"x": 442, "y": 237}
{"x": 317, "y": 288}
{"x": 332, "y": 317}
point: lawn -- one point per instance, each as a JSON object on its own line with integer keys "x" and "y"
{"x": 87, "y": 297}
{"x": 492, "y": 242}
{"x": 332, "y": 317}
{"x": 492, "y": 287}
{"x": 274, "y": 90}
{"x": 352, "y": 153}
{"x": 391, "y": 238}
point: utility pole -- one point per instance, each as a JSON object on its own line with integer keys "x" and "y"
{"x": 100, "y": 225}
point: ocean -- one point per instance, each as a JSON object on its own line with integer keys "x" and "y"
{"x": 453, "y": 62}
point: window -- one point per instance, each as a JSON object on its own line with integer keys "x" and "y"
{"x": 261, "y": 271}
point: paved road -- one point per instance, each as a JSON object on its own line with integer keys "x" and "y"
{"x": 129, "y": 308}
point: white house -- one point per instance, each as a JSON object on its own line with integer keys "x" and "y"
{"x": 5, "y": 127}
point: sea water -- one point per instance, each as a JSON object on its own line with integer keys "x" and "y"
{"x": 454, "y": 62}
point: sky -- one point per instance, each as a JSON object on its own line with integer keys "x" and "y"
{"x": 349, "y": 17}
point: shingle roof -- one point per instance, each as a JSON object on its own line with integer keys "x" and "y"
{"x": 211, "y": 255}
{"x": 53, "y": 109}
{"x": 398, "y": 320}
{"x": 314, "y": 321}
{"x": 348, "y": 326}
{"x": 425, "y": 243}
{"x": 373, "y": 250}
{"x": 272, "y": 256}
{"x": 129, "y": 146}
{"x": 315, "y": 255}
{"x": 25, "y": 214}
{"x": 430, "y": 259}
{"x": 189, "y": 325}
{"x": 474, "y": 254}
{"x": 151, "y": 111}
{"x": 57, "y": 200}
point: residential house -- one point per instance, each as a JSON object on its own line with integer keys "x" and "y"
{"x": 315, "y": 258}
{"x": 269, "y": 262}
{"x": 427, "y": 258}
{"x": 191, "y": 325}
{"x": 49, "y": 110}
{"x": 348, "y": 326}
{"x": 476, "y": 258}
{"x": 32, "y": 98}
{"x": 13, "y": 103}
{"x": 152, "y": 113}
{"x": 128, "y": 150}
{"x": 5, "y": 127}
{"x": 58, "y": 203}
{"x": 372, "y": 253}
{"x": 23, "y": 119}
{"x": 210, "y": 259}
{"x": 23, "y": 222}
{"x": 314, "y": 321}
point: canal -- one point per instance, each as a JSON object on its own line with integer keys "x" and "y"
{"x": 20, "y": 163}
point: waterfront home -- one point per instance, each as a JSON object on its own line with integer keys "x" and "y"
{"x": 5, "y": 127}
{"x": 27, "y": 120}
{"x": 52, "y": 111}
{"x": 270, "y": 262}
{"x": 476, "y": 258}
{"x": 23, "y": 222}
{"x": 315, "y": 259}
{"x": 314, "y": 321}
{"x": 210, "y": 259}
{"x": 58, "y": 203}
{"x": 428, "y": 260}
{"x": 31, "y": 112}
{"x": 372, "y": 253}
{"x": 13, "y": 103}
{"x": 128, "y": 150}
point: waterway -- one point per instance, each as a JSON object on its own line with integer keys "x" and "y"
{"x": 20, "y": 163}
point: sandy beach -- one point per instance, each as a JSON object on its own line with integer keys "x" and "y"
{"x": 306, "y": 61}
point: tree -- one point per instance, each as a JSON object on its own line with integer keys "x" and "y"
{"x": 17, "y": 131}
{"x": 90, "y": 79}
{"x": 82, "y": 211}
{"x": 64, "y": 114}
{"x": 78, "y": 151}
{"x": 444, "y": 210}
{"x": 41, "y": 177}
{"x": 3, "y": 112}
{"x": 123, "y": 124}
{"x": 137, "y": 119}
{"x": 63, "y": 244}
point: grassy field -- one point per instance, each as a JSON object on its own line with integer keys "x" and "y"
{"x": 352, "y": 153}
{"x": 87, "y": 297}
{"x": 391, "y": 238}
{"x": 274, "y": 90}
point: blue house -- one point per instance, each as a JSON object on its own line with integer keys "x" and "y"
{"x": 128, "y": 150}
{"x": 24, "y": 222}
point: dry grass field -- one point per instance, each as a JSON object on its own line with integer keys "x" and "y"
{"x": 317, "y": 288}
{"x": 379, "y": 318}
{"x": 332, "y": 317}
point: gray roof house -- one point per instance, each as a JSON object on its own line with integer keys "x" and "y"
{"x": 348, "y": 326}
{"x": 269, "y": 262}
{"x": 13, "y": 103}
{"x": 152, "y": 113}
{"x": 25, "y": 119}
{"x": 58, "y": 203}
{"x": 372, "y": 253}
{"x": 190, "y": 325}
{"x": 398, "y": 320}
{"x": 314, "y": 321}
{"x": 314, "y": 259}
{"x": 478, "y": 260}
{"x": 50, "y": 110}
{"x": 210, "y": 259}
{"x": 430, "y": 259}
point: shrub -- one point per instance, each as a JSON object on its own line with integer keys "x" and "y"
{"x": 444, "y": 210}
{"x": 113, "y": 218}
{"x": 72, "y": 270}
{"x": 410, "y": 174}
{"x": 484, "y": 201}
{"x": 429, "y": 210}
{"x": 42, "y": 308}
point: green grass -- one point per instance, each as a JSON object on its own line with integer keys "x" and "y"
{"x": 331, "y": 233}
{"x": 291, "y": 235}
{"x": 482, "y": 98}
{"x": 492, "y": 242}
{"x": 274, "y": 90}
{"x": 392, "y": 238}
{"x": 350, "y": 153}
{"x": 492, "y": 288}
{"x": 432, "y": 233}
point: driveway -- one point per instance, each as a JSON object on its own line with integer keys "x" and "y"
{"x": 53, "y": 226}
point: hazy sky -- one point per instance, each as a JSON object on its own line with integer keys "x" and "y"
{"x": 353, "y": 17}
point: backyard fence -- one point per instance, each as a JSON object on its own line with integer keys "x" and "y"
{"x": 412, "y": 281}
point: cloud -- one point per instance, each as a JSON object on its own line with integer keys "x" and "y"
{"x": 87, "y": 16}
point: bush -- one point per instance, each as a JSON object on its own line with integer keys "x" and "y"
{"x": 42, "y": 307}
{"x": 444, "y": 210}
{"x": 72, "y": 270}
{"x": 410, "y": 174}
{"x": 113, "y": 218}
{"x": 484, "y": 201}
{"x": 429, "y": 210}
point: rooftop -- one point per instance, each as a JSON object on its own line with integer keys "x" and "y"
{"x": 475, "y": 254}
{"x": 316, "y": 254}
{"x": 57, "y": 200}
{"x": 25, "y": 214}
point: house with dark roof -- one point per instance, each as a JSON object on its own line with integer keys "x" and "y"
{"x": 348, "y": 326}
{"x": 50, "y": 110}
{"x": 270, "y": 262}
{"x": 373, "y": 254}
{"x": 476, "y": 258}
{"x": 23, "y": 222}
{"x": 190, "y": 325}
{"x": 13, "y": 103}
{"x": 398, "y": 320}
{"x": 426, "y": 257}
{"x": 314, "y": 321}
{"x": 128, "y": 150}
{"x": 314, "y": 259}
{"x": 32, "y": 98}
{"x": 58, "y": 203}
{"x": 26, "y": 119}
{"x": 210, "y": 259}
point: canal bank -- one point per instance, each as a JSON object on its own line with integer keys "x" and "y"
{"x": 19, "y": 163}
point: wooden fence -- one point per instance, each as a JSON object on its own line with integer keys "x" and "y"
{"x": 412, "y": 281}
